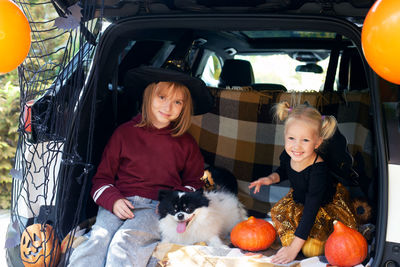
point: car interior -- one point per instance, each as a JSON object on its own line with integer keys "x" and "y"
{"x": 248, "y": 68}
{"x": 239, "y": 133}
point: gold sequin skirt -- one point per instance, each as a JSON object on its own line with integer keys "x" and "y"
{"x": 286, "y": 215}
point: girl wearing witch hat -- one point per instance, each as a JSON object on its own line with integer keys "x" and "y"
{"x": 153, "y": 151}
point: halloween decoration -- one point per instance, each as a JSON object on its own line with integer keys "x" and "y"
{"x": 215, "y": 178}
{"x": 15, "y": 36}
{"x": 345, "y": 246}
{"x": 208, "y": 181}
{"x": 361, "y": 210}
{"x": 141, "y": 77}
{"x": 39, "y": 246}
{"x": 380, "y": 39}
{"x": 253, "y": 234}
{"x": 313, "y": 247}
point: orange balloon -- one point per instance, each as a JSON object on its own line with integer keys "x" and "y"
{"x": 380, "y": 39}
{"x": 15, "y": 36}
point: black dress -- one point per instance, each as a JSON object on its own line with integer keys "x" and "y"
{"x": 313, "y": 202}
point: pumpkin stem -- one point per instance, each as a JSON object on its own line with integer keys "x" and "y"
{"x": 338, "y": 226}
{"x": 251, "y": 219}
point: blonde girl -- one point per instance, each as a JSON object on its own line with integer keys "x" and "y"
{"x": 148, "y": 153}
{"x": 306, "y": 213}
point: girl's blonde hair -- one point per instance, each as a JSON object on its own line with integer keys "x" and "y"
{"x": 182, "y": 123}
{"x": 326, "y": 125}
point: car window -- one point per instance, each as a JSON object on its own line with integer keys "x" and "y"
{"x": 281, "y": 69}
{"x": 277, "y": 68}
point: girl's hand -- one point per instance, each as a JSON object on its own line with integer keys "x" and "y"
{"x": 122, "y": 208}
{"x": 289, "y": 253}
{"x": 257, "y": 184}
{"x": 270, "y": 179}
{"x": 284, "y": 255}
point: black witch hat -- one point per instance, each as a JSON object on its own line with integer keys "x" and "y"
{"x": 139, "y": 78}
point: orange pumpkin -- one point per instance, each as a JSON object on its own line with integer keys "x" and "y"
{"x": 253, "y": 234}
{"x": 39, "y": 246}
{"x": 345, "y": 246}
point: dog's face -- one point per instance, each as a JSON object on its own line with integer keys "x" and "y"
{"x": 181, "y": 206}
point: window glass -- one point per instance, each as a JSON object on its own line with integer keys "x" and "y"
{"x": 211, "y": 71}
{"x": 288, "y": 34}
{"x": 281, "y": 69}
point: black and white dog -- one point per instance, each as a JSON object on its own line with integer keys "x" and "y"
{"x": 191, "y": 217}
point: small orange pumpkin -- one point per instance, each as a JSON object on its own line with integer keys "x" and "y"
{"x": 345, "y": 246}
{"x": 313, "y": 247}
{"x": 253, "y": 234}
{"x": 39, "y": 246}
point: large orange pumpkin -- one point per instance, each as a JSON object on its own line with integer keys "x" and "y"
{"x": 345, "y": 246}
{"x": 253, "y": 234}
{"x": 39, "y": 246}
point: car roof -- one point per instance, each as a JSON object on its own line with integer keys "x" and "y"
{"x": 354, "y": 10}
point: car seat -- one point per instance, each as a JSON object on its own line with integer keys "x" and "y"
{"x": 236, "y": 72}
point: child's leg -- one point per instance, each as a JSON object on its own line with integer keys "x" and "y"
{"x": 93, "y": 251}
{"x": 134, "y": 243}
{"x": 285, "y": 215}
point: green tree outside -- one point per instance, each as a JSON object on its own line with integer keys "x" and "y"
{"x": 9, "y": 118}
{"x": 47, "y": 53}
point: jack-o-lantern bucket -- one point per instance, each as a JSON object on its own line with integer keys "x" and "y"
{"x": 39, "y": 246}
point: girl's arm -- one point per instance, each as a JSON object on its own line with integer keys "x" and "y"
{"x": 103, "y": 191}
{"x": 273, "y": 178}
{"x": 278, "y": 175}
{"x": 314, "y": 197}
{"x": 289, "y": 253}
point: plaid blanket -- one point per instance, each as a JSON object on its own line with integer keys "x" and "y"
{"x": 241, "y": 135}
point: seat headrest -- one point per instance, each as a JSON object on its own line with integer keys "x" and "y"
{"x": 352, "y": 73}
{"x": 269, "y": 87}
{"x": 236, "y": 72}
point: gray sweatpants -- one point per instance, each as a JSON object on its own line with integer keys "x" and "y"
{"x": 116, "y": 243}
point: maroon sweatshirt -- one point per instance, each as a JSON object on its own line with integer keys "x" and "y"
{"x": 141, "y": 161}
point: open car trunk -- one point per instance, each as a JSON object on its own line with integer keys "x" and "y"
{"x": 259, "y": 154}
{"x": 238, "y": 133}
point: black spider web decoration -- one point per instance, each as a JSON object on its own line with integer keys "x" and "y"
{"x": 51, "y": 81}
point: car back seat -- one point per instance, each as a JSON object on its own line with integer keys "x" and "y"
{"x": 239, "y": 134}
{"x": 236, "y": 73}
{"x": 268, "y": 87}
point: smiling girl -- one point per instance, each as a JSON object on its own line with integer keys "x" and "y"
{"x": 151, "y": 152}
{"x": 306, "y": 213}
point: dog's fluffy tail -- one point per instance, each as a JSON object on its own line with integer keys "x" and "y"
{"x": 227, "y": 204}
